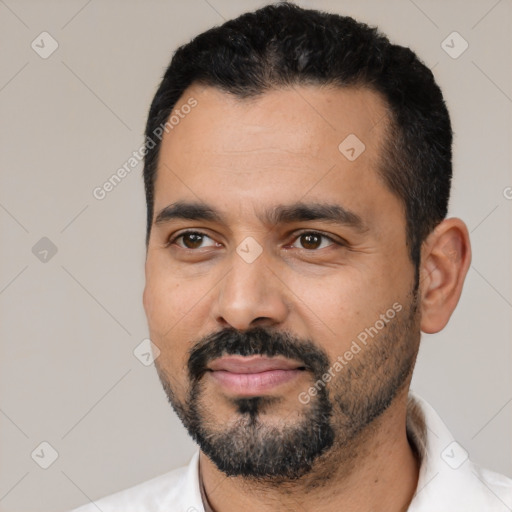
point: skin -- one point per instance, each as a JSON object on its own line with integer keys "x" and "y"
{"x": 243, "y": 157}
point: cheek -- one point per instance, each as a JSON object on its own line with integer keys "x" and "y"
{"x": 166, "y": 297}
{"x": 165, "y": 309}
{"x": 332, "y": 308}
{"x": 337, "y": 296}
{"x": 175, "y": 309}
{"x": 167, "y": 303}
{"x": 341, "y": 306}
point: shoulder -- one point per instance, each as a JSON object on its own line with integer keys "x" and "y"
{"x": 449, "y": 480}
{"x": 175, "y": 491}
{"x": 494, "y": 485}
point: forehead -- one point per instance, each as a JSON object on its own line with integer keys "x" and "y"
{"x": 283, "y": 143}
{"x": 305, "y": 119}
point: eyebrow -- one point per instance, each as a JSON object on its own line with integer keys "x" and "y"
{"x": 281, "y": 214}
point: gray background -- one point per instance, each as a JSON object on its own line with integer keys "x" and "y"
{"x": 70, "y": 323}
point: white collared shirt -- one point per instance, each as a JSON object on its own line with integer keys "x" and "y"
{"x": 448, "y": 481}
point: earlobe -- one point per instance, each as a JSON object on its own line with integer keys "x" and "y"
{"x": 445, "y": 260}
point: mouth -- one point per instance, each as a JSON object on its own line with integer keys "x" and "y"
{"x": 254, "y": 375}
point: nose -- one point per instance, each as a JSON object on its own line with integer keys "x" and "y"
{"x": 250, "y": 295}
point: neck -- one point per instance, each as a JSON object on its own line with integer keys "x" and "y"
{"x": 378, "y": 471}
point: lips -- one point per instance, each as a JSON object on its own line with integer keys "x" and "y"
{"x": 254, "y": 375}
{"x": 253, "y": 364}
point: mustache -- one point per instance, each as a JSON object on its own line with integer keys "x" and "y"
{"x": 255, "y": 341}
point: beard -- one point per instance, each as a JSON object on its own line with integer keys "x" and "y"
{"x": 250, "y": 445}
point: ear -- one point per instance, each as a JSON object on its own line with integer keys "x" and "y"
{"x": 445, "y": 260}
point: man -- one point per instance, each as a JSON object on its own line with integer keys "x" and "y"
{"x": 297, "y": 179}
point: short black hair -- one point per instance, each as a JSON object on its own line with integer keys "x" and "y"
{"x": 284, "y": 45}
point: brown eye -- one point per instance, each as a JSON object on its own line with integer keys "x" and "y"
{"x": 193, "y": 240}
{"x": 312, "y": 241}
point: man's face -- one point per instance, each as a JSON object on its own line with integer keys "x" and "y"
{"x": 280, "y": 292}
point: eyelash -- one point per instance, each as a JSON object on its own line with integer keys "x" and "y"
{"x": 173, "y": 239}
